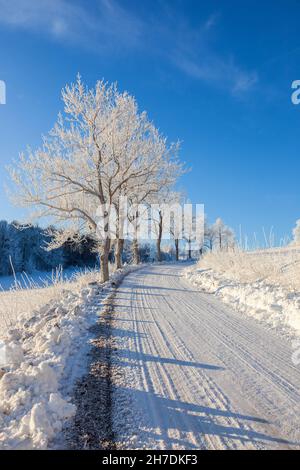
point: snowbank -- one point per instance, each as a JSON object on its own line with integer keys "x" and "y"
{"x": 40, "y": 360}
{"x": 276, "y": 306}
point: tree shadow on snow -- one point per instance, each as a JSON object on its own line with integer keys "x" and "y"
{"x": 137, "y": 359}
{"x": 155, "y": 419}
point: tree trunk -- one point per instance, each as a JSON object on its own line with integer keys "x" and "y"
{"x": 120, "y": 241}
{"x": 158, "y": 249}
{"x": 135, "y": 251}
{"x": 119, "y": 252}
{"x": 104, "y": 252}
{"x": 177, "y": 248}
{"x": 158, "y": 243}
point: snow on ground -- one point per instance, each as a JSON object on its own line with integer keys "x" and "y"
{"x": 262, "y": 284}
{"x": 23, "y": 293}
{"x": 41, "y": 357}
{"x": 189, "y": 372}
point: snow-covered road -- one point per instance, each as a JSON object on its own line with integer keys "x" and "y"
{"x": 191, "y": 373}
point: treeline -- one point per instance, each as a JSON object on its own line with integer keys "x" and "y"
{"x": 23, "y": 249}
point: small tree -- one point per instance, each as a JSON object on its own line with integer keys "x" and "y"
{"x": 193, "y": 229}
{"x": 222, "y": 236}
{"x": 296, "y": 233}
{"x": 176, "y": 222}
{"x": 209, "y": 236}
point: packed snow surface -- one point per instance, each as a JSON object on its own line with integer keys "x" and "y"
{"x": 192, "y": 373}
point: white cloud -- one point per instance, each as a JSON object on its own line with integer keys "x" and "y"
{"x": 216, "y": 70}
{"x": 34, "y": 14}
{"x": 211, "y": 21}
{"x": 106, "y": 25}
{"x": 195, "y": 52}
{"x": 100, "y": 24}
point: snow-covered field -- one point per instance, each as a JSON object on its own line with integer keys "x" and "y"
{"x": 41, "y": 356}
{"x": 20, "y": 295}
{"x": 40, "y": 279}
{"x": 263, "y": 284}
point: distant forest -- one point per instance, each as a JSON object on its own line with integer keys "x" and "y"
{"x": 23, "y": 248}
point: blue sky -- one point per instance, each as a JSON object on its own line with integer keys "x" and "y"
{"x": 215, "y": 74}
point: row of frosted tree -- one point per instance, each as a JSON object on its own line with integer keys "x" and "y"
{"x": 25, "y": 248}
{"x": 102, "y": 149}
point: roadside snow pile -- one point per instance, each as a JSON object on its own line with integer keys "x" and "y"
{"x": 40, "y": 359}
{"x": 37, "y": 357}
{"x": 276, "y": 306}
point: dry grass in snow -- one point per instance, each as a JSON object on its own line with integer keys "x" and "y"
{"x": 21, "y": 302}
{"x": 275, "y": 266}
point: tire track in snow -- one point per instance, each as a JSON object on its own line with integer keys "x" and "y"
{"x": 282, "y": 386}
{"x": 182, "y": 365}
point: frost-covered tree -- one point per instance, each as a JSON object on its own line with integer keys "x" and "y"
{"x": 176, "y": 222}
{"x": 147, "y": 151}
{"x": 161, "y": 203}
{"x": 100, "y": 148}
{"x": 4, "y": 248}
{"x": 193, "y": 229}
{"x": 209, "y": 236}
{"x": 152, "y": 190}
{"x": 189, "y": 234}
{"x": 23, "y": 248}
{"x": 296, "y": 233}
{"x": 223, "y": 237}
